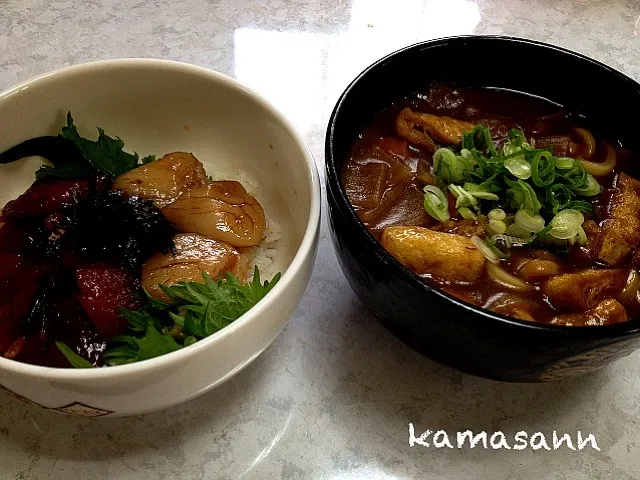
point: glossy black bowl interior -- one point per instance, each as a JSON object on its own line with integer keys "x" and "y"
{"x": 434, "y": 323}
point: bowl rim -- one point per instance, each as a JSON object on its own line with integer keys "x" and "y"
{"x": 305, "y": 250}
{"x": 335, "y": 191}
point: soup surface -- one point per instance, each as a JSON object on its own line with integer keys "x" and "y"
{"x": 505, "y": 201}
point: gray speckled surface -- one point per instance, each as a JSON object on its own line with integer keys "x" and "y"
{"x": 333, "y": 396}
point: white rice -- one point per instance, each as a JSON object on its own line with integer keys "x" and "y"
{"x": 264, "y": 254}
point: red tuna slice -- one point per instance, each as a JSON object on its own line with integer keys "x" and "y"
{"x": 12, "y": 238}
{"x": 103, "y": 291}
{"x": 45, "y": 198}
{"x": 27, "y": 349}
{"x": 37, "y": 329}
{"x": 76, "y": 331}
{"x": 19, "y": 280}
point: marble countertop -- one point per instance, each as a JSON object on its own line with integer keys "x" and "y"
{"x": 334, "y": 395}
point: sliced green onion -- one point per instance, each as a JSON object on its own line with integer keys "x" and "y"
{"x": 515, "y": 230}
{"x": 492, "y": 184}
{"x": 467, "y": 158}
{"x": 485, "y": 195}
{"x": 576, "y": 176}
{"x": 509, "y": 219}
{"x": 510, "y": 241}
{"x": 532, "y": 182}
{"x": 467, "y": 154}
{"x": 550, "y": 239}
{"x": 515, "y": 197}
{"x": 564, "y": 163}
{"x": 566, "y": 224}
{"x": 510, "y": 150}
{"x": 497, "y": 214}
{"x": 558, "y": 196}
{"x": 499, "y": 253}
{"x": 531, "y": 201}
{"x": 463, "y": 198}
{"x": 590, "y": 188}
{"x": 467, "y": 213}
{"x": 447, "y": 166}
{"x": 528, "y": 222}
{"x": 483, "y": 191}
{"x": 544, "y": 231}
{"x": 516, "y": 138}
{"x": 467, "y": 141}
{"x": 581, "y": 206}
{"x": 543, "y": 169}
{"x": 496, "y": 227}
{"x": 518, "y": 167}
{"x": 507, "y": 280}
{"x": 486, "y": 248}
{"x": 481, "y": 138}
{"x": 582, "y": 236}
{"x": 435, "y": 203}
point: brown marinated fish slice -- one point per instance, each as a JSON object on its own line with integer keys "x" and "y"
{"x": 193, "y": 255}
{"x": 163, "y": 180}
{"x": 222, "y": 210}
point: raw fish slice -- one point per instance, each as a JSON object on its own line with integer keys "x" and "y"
{"x": 19, "y": 280}
{"x": 44, "y": 198}
{"x": 103, "y": 291}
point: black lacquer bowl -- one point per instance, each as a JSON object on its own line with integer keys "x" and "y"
{"x": 430, "y": 321}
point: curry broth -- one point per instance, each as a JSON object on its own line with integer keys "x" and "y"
{"x": 385, "y": 174}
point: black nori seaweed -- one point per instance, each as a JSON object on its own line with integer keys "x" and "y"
{"x": 107, "y": 226}
{"x": 58, "y": 150}
{"x": 99, "y": 225}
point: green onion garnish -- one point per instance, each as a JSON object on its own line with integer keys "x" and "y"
{"x": 497, "y": 214}
{"x": 518, "y": 167}
{"x": 529, "y": 222}
{"x": 549, "y": 195}
{"x": 435, "y": 203}
{"x": 566, "y": 224}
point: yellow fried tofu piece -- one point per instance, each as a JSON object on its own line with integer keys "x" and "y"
{"x": 624, "y": 213}
{"x": 613, "y": 247}
{"x": 422, "y": 128}
{"x": 584, "y": 289}
{"x": 606, "y": 244}
{"x": 606, "y": 312}
{"x": 593, "y": 231}
{"x": 445, "y": 256}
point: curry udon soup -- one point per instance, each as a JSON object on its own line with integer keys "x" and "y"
{"x": 504, "y": 201}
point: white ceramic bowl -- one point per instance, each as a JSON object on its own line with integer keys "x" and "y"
{"x": 157, "y": 107}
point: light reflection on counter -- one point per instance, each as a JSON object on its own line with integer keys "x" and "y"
{"x": 266, "y": 450}
{"x": 303, "y": 73}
